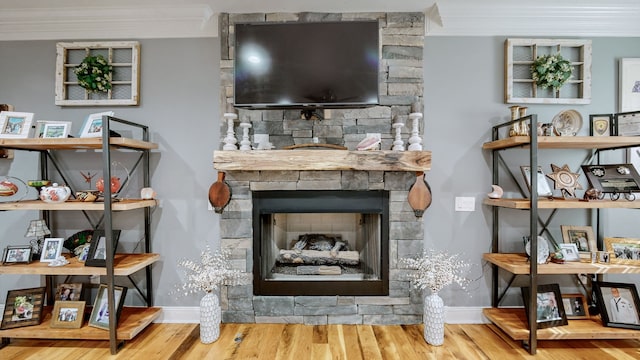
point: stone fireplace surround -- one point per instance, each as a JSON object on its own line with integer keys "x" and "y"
{"x": 402, "y": 39}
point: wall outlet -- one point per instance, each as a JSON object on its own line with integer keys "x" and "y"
{"x": 465, "y": 203}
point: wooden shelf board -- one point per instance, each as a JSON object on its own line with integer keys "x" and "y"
{"x": 132, "y": 321}
{"x": 564, "y": 204}
{"x": 565, "y": 142}
{"x": 124, "y": 264}
{"x": 283, "y": 160}
{"x": 122, "y": 205}
{"x": 519, "y": 265}
{"x": 514, "y": 323}
{"x": 39, "y": 144}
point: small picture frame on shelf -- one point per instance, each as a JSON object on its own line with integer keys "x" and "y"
{"x": 619, "y": 304}
{"x": 54, "y": 129}
{"x": 97, "y": 255}
{"x": 550, "y": 309}
{"x": 570, "y": 252}
{"x": 68, "y": 292}
{"x": 23, "y": 308}
{"x": 613, "y": 178}
{"x": 92, "y": 126}
{"x": 601, "y": 125}
{"x": 623, "y": 250}
{"x": 543, "y": 185}
{"x": 627, "y": 124}
{"x": 17, "y": 254}
{"x": 581, "y": 236}
{"x": 51, "y": 249}
{"x": 575, "y": 306}
{"x": 629, "y": 84}
{"x": 67, "y": 314}
{"x": 100, "y": 313}
{"x": 15, "y": 125}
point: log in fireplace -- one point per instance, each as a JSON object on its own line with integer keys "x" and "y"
{"x": 325, "y": 242}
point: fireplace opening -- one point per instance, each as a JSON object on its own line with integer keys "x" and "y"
{"x": 321, "y": 242}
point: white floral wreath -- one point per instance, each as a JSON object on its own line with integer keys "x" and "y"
{"x": 551, "y": 71}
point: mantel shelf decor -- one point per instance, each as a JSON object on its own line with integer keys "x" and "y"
{"x": 79, "y": 66}
{"x": 572, "y": 76}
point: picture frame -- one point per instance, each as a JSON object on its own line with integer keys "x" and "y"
{"x": 68, "y": 292}
{"x": 92, "y": 126}
{"x": 550, "y": 308}
{"x": 633, "y": 157}
{"x": 98, "y": 248}
{"x": 581, "y": 236}
{"x": 570, "y": 252}
{"x": 618, "y": 304}
{"x": 601, "y": 125}
{"x": 543, "y": 185}
{"x": 629, "y": 84}
{"x": 51, "y": 249}
{"x": 623, "y": 250}
{"x": 15, "y": 125}
{"x": 52, "y": 129}
{"x": 23, "y": 308}
{"x": 613, "y": 178}
{"x": 627, "y": 123}
{"x": 17, "y": 254}
{"x": 575, "y": 306}
{"x": 100, "y": 313}
{"x": 67, "y": 314}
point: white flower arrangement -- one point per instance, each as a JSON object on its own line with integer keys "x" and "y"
{"x": 213, "y": 271}
{"x": 435, "y": 270}
{"x": 551, "y": 71}
{"x": 94, "y": 74}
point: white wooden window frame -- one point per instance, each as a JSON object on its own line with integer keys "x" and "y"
{"x": 581, "y": 75}
{"x": 110, "y": 98}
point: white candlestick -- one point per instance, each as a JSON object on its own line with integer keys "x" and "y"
{"x": 230, "y": 140}
{"x": 245, "y": 144}
{"x": 398, "y": 144}
{"x": 415, "y": 141}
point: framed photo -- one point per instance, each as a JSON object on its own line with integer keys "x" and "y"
{"x": 543, "y": 186}
{"x": 614, "y": 178}
{"x": 570, "y": 252}
{"x": 23, "y": 308}
{"x": 601, "y": 125}
{"x": 68, "y": 292}
{"x": 92, "y": 126}
{"x": 17, "y": 254}
{"x": 581, "y": 236}
{"x": 618, "y": 303}
{"x": 575, "y": 306}
{"x": 100, "y": 312}
{"x": 623, "y": 250}
{"x": 15, "y": 125}
{"x": 67, "y": 314}
{"x": 52, "y": 129}
{"x": 629, "y": 84}
{"x": 627, "y": 124}
{"x": 97, "y": 255}
{"x": 51, "y": 249}
{"x": 550, "y": 309}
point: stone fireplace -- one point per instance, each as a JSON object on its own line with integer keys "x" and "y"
{"x": 376, "y": 290}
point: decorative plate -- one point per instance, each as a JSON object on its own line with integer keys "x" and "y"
{"x": 543, "y": 249}
{"x": 12, "y": 189}
{"x": 567, "y": 123}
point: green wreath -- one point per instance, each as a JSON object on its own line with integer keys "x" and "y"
{"x": 551, "y": 71}
{"x": 94, "y": 74}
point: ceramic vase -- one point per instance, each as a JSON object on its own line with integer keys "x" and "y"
{"x": 433, "y": 319}
{"x": 210, "y": 318}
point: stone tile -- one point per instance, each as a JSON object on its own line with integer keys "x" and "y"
{"x": 238, "y": 317}
{"x": 380, "y": 300}
{"x": 279, "y": 176}
{"x": 355, "y": 180}
{"x": 374, "y": 310}
{"x": 315, "y": 301}
{"x": 402, "y": 52}
{"x": 319, "y": 175}
{"x": 346, "y": 300}
{"x": 273, "y": 305}
{"x": 409, "y": 248}
{"x": 315, "y": 320}
{"x": 406, "y": 230}
{"x": 326, "y": 310}
{"x": 236, "y": 228}
{"x": 264, "y": 186}
{"x": 279, "y": 319}
{"x": 239, "y": 292}
{"x": 392, "y": 319}
{"x": 345, "y": 319}
{"x": 319, "y": 185}
{"x": 412, "y": 309}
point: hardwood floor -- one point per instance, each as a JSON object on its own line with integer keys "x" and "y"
{"x": 295, "y": 341}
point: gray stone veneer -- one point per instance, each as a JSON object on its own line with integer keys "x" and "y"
{"x": 400, "y": 86}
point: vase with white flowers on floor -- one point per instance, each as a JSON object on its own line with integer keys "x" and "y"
{"x": 434, "y": 270}
{"x": 213, "y": 271}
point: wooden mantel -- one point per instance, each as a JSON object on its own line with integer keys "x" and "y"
{"x": 283, "y": 160}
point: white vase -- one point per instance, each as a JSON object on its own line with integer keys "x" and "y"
{"x": 210, "y": 318}
{"x": 433, "y": 319}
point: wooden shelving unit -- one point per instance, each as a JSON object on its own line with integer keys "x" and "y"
{"x": 133, "y": 319}
{"x": 514, "y": 321}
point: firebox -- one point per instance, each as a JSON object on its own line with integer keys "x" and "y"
{"x": 322, "y": 242}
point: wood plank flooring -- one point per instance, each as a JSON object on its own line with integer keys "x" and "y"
{"x": 298, "y": 342}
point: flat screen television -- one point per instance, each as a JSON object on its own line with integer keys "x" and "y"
{"x": 306, "y": 65}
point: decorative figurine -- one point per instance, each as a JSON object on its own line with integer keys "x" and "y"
{"x": 245, "y": 144}
{"x": 415, "y": 141}
{"x": 230, "y": 140}
{"x": 398, "y": 144}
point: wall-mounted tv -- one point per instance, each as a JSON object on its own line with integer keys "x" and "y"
{"x": 306, "y": 65}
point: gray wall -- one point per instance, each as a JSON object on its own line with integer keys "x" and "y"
{"x": 179, "y": 101}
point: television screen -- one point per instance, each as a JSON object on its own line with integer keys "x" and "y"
{"x": 306, "y": 65}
